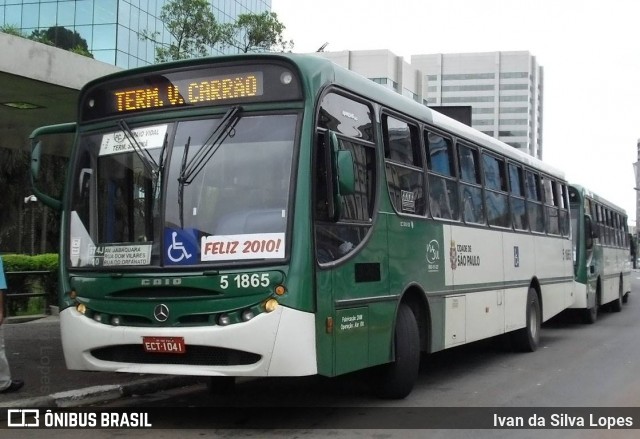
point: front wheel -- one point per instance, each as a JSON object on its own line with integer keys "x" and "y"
{"x": 396, "y": 379}
{"x": 590, "y": 315}
{"x": 527, "y": 338}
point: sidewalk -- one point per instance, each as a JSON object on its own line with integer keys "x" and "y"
{"x": 35, "y": 355}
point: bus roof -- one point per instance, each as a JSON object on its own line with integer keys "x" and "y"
{"x": 318, "y": 72}
{"x": 584, "y": 192}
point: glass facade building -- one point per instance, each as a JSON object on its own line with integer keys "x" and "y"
{"x": 112, "y": 28}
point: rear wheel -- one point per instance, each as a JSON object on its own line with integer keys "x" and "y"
{"x": 616, "y": 305}
{"x": 527, "y": 338}
{"x": 396, "y": 379}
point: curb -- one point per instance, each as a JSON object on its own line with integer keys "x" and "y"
{"x": 96, "y": 394}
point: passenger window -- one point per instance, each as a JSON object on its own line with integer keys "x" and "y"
{"x": 518, "y": 209}
{"x": 405, "y": 176}
{"x": 565, "y": 221}
{"x": 470, "y": 189}
{"x": 440, "y": 154}
{"x": 443, "y": 188}
{"x": 496, "y": 198}
{"x": 551, "y": 206}
{"x": 469, "y": 169}
{"x": 535, "y": 210}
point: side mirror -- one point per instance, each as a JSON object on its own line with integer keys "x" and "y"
{"x": 345, "y": 173}
{"x": 342, "y": 174}
{"x": 57, "y": 144}
{"x": 342, "y": 164}
{"x": 36, "y": 153}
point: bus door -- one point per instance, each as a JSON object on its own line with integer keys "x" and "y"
{"x": 351, "y": 255}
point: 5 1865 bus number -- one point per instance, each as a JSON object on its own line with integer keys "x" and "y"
{"x": 254, "y": 280}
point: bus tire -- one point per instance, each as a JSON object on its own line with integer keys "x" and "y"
{"x": 616, "y": 305}
{"x": 527, "y": 338}
{"x": 221, "y": 385}
{"x": 625, "y": 298}
{"x": 396, "y": 379}
{"x": 590, "y": 315}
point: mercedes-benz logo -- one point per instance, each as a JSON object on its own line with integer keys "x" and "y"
{"x": 161, "y": 312}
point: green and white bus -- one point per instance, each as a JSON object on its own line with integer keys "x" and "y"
{"x": 601, "y": 250}
{"x": 278, "y": 215}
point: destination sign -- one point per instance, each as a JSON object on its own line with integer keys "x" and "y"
{"x": 145, "y": 90}
{"x": 200, "y": 90}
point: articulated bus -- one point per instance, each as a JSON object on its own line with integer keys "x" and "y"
{"x": 601, "y": 249}
{"x": 278, "y": 215}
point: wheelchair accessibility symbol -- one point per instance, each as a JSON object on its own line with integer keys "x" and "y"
{"x": 177, "y": 248}
{"x": 180, "y": 246}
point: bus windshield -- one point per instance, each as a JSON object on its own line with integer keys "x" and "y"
{"x": 232, "y": 207}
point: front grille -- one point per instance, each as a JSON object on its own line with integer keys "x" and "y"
{"x": 195, "y": 355}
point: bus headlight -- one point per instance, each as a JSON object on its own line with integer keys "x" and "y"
{"x": 116, "y": 321}
{"x": 224, "y": 320}
{"x": 97, "y": 317}
{"x": 247, "y": 315}
{"x": 81, "y": 308}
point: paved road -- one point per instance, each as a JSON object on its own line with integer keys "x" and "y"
{"x": 577, "y": 365}
{"x": 35, "y": 355}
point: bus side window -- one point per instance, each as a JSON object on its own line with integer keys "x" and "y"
{"x": 535, "y": 209}
{"x": 405, "y": 176}
{"x": 551, "y": 206}
{"x": 495, "y": 182}
{"x": 565, "y": 222}
{"x": 470, "y": 188}
{"x": 516, "y": 190}
{"x": 443, "y": 188}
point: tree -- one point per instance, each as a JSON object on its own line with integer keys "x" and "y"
{"x": 14, "y": 181}
{"x": 259, "y": 33}
{"x": 63, "y": 38}
{"x": 193, "y": 27}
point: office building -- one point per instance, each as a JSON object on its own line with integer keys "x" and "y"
{"x": 112, "y": 27}
{"x": 504, "y": 89}
{"x": 384, "y": 68}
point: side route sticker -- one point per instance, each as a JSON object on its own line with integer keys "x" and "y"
{"x": 235, "y": 247}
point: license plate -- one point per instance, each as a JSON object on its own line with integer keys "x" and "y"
{"x": 164, "y": 345}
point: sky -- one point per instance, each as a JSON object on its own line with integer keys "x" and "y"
{"x": 590, "y": 52}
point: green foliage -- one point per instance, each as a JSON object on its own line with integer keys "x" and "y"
{"x": 12, "y": 30}
{"x": 194, "y": 30}
{"x": 21, "y": 278}
{"x": 63, "y": 38}
{"x": 259, "y": 33}
{"x": 193, "y": 27}
{"x": 57, "y": 36}
{"x": 43, "y": 262}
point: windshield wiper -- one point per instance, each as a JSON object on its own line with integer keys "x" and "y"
{"x": 159, "y": 174}
{"x": 145, "y": 156}
{"x": 183, "y": 165}
{"x": 191, "y": 170}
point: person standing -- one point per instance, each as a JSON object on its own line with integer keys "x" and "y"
{"x": 6, "y": 383}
